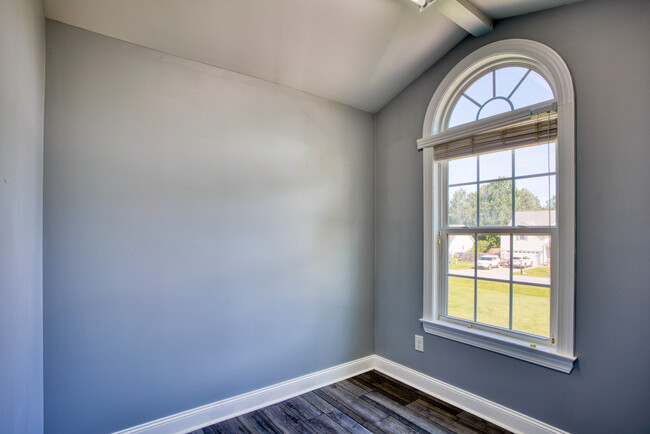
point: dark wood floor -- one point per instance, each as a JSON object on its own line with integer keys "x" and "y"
{"x": 370, "y": 402}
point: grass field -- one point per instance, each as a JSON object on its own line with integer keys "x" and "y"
{"x": 538, "y": 272}
{"x": 530, "y": 304}
{"x": 455, "y": 264}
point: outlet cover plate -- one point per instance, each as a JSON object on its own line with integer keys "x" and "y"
{"x": 419, "y": 343}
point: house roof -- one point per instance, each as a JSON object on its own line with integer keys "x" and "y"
{"x": 535, "y": 218}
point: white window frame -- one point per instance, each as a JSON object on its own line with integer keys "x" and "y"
{"x": 558, "y": 352}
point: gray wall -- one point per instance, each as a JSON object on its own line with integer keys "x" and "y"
{"x": 205, "y": 233}
{"x": 22, "y": 90}
{"x": 605, "y": 44}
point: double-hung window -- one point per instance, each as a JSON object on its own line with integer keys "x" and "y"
{"x": 498, "y": 151}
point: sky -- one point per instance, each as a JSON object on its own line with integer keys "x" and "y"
{"x": 496, "y": 92}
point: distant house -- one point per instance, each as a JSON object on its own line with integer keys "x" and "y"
{"x": 536, "y": 247}
{"x": 459, "y": 244}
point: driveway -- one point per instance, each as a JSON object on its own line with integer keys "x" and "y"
{"x": 502, "y": 273}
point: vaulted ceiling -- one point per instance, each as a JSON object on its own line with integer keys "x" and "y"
{"x": 357, "y": 52}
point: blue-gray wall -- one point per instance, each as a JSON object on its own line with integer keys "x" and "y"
{"x": 22, "y": 91}
{"x": 605, "y": 44}
{"x": 206, "y": 233}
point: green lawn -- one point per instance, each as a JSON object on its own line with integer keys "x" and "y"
{"x": 455, "y": 264}
{"x": 530, "y": 304}
{"x": 538, "y": 272}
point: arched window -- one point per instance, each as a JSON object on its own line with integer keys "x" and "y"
{"x": 498, "y": 91}
{"x": 498, "y": 153}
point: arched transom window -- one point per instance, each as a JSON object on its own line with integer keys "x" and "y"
{"x": 498, "y": 91}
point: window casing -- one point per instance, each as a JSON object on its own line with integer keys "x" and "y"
{"x": 549, "y": 344}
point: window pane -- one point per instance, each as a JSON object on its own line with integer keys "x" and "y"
{"x": 507, "y": 79}
{"x": 531, "y": 309}
{"x": 532, "y": 90}
{"x": 532, "y": 259}
{"x": 462, "y": 170}
{"x": 489, "y": 259}
{"x": 534, "y": 160}
{"x": 460, "y": 298}
{"x": 460, "y": 250}
{"x": 462, "y": 206}
{"x": 532, "y": 199}
{"x": 481, "y": 90}
{"x": 493, "y": 303}
{"x": 495, "y": 165}
{"x": 496, "y": 203}
{"x": 494, "y": 107}
{"x": 465, "y": 111}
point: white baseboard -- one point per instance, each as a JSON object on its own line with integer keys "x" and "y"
{"x": 231, "y": 407}
{"x": 481, "y": 407}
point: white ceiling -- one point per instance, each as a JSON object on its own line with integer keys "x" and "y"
{"x": 357, "y": 52}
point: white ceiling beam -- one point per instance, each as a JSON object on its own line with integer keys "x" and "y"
{"x": 466, "y": 15}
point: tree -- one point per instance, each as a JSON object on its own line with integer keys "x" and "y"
{"x": 486, "y": 242}
{"x": 525, "y": 200}
{"x": 491, "y": 240}
{"x": 496, "y": 205}
{"x": 462, "y": 208}
{"x": 483, "y": 246}
{"x": 551, "y": 205}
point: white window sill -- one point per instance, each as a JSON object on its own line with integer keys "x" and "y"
{"x": 519, "y": 349}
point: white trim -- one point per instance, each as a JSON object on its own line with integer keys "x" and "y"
{"x": 232, "y": 407}
{"x": 430, "y": 201}
{"x": 550, "y": 65}
{"x": 565, "y": 272}
{"x": 501, "y": 344}
{"x": 210, "y": 414}
{"x": 481, "y": 407}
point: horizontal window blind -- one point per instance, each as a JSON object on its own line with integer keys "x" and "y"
{"x": 541, "y": 128}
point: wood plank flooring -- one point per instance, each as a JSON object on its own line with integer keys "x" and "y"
{"x": 368, "y": 403}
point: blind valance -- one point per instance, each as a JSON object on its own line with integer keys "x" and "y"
{"x": 512, "y": 130}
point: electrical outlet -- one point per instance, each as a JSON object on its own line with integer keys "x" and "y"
{"x": 419, "y": 343}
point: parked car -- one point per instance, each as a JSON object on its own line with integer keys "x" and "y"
{"x": 488, "y": 261}
{"x": 522, "y": 262}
